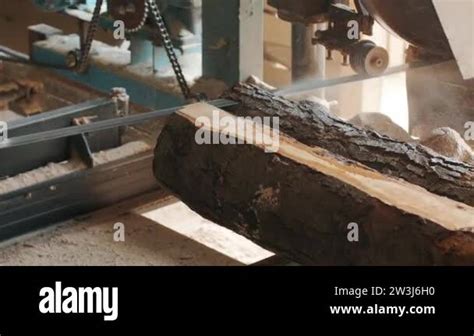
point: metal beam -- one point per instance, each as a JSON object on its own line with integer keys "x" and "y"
{"x": 130, "y": 120}
{"x": 232, "y": 39}
{"x": 63, "y": 198}
{"x": 35, "y": 154}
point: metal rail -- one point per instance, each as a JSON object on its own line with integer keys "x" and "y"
{"x": 99, "y": 126}
{"x": 13, "y": 56}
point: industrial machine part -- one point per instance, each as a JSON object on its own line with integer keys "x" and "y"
{"x": 415, "y": 21}
{"x": 101, "y": 125}
{"x": 367, "y": 58}
{"x": 132, "y": 13}
{"x": 156, "y": 31}
{"x": 218, "y": 35}
{"x": 86, "y": 46}
{"x": 54, "y": 180}
{"x": 73, "y": 133}
{"x": 12, "y": 56}
{"x": 438, "y": 96}
{"x": 363, "y": 55}
{"x": 33, "y": 155}
{"x": 46, "y": 138}
{"x": 160, "y": 24}
{"x": 55, "y": 5}
{"x": 52, "y": 201}
{"x": 79, "y": 131}
{"x": 311, "y": 84}
{"x": 135, "y": 13}
{"x": 302, "y": 11}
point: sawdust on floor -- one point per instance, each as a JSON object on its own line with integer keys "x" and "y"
{"x": 161, "y": 233}
{"x": 180, "y": 218}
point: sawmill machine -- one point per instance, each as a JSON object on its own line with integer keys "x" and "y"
{"x": 167, "y": 45}
{"x": 139, "y": 59}
{"x": 440, "y": 95}
{"x": 128, "y": 65}
{"x": 208, "y": 39}
{"x": 54, "y": 165}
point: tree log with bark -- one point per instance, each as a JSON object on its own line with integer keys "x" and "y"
{"x": 313, "y": 125}
{"x": 312, "y": 204}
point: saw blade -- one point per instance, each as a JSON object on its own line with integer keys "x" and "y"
{"x": 310, "y": 85}
{"x": 132, "y": 13}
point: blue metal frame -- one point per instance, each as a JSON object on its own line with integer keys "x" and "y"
{"x": 232, "y": 39}
{"x": 27, "y": 157}
{"x": 223, "y": 38}
{"x": 103, "y": 80}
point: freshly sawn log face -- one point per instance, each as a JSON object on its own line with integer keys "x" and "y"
{"x": 311, "y": 124}
{"x": 300, "y": 200}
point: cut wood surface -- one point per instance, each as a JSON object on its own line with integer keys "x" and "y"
{"x": 312, "y": 124}
{"x": 300, "y": 200}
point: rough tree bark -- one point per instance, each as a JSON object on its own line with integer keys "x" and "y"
{"x": 299, "y": 201}
{"x": 313, "y": 125}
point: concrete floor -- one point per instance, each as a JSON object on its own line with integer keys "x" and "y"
{"x": 159, "y": 231}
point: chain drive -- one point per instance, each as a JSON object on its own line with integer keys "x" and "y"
{"x": 86, "y": 48}
{"x": 168, "y": 45}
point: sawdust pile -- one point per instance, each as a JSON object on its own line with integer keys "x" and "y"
{"x": 129, "y": 149}
{"x": 382, "y": 124}
{"x": 55, "y": 170}
{"x": 448, "y": 142}
{"x": 39, "y": 175}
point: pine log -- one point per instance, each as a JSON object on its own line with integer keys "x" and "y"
{"x": 312, "y": 124}
{"x": 300, "y": 200}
